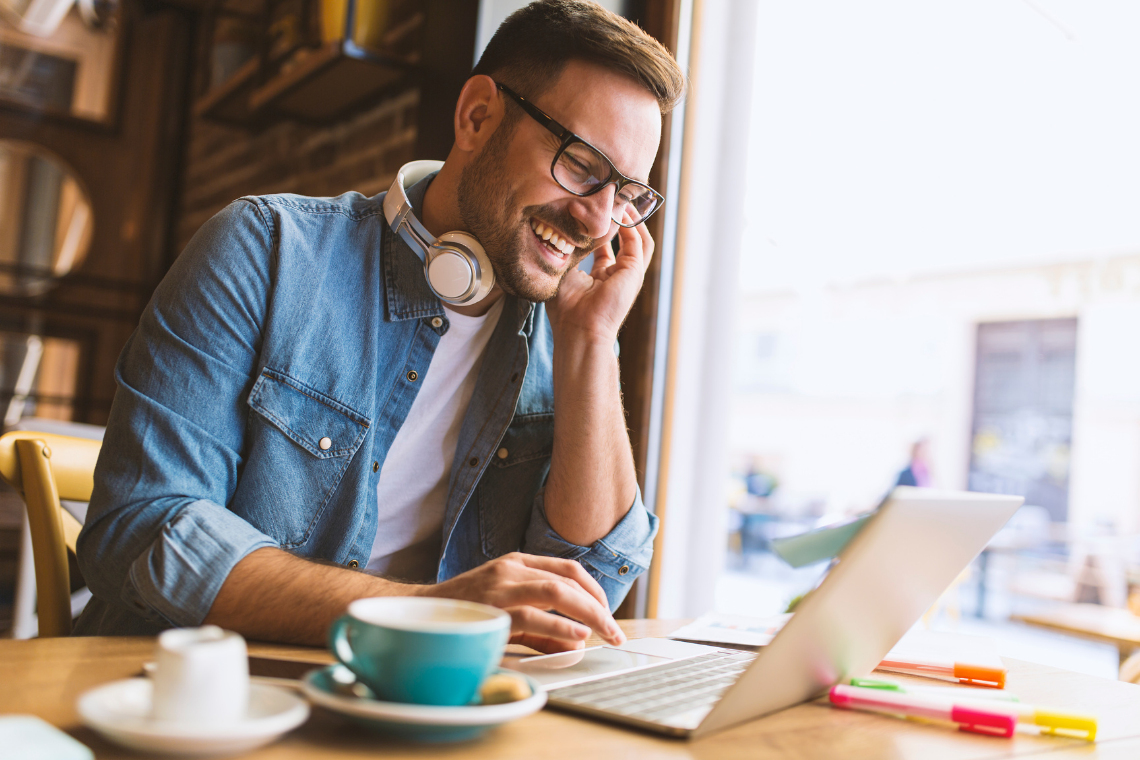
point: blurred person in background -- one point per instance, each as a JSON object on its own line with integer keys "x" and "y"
{"x": 917, "y": 470}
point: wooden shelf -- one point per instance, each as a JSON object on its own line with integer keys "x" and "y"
{"x": 319, "y": 84}
{"x": 229, "y": 102}
{"x": 328, "y": 82}
{"x": 208, "y": 6}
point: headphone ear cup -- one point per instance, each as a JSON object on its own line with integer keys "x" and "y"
{"x": 481, "y": 273}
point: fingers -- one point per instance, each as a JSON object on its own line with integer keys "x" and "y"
{"x": 528, "y": 586}
{"x": 564, "y": 586}
{"x": 603, "y": 260}
{"x": 647, "y": 244}
{"x": 636, "y": 246}
{"x": 550, "y": 593}
{"x": 568, "y": 569}
{"x": 547, "y": 590}
{"x": 546, "y": 645}
{"x": 538, "y": 625}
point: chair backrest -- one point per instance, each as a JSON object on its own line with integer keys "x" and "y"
{"x": 46, "y": 468}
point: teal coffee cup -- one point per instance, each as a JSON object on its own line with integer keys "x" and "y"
{"x": 426, "y": 651}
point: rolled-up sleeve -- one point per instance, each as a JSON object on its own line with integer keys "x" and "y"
{"x": 615, "y": 561}
{"x": 159, "y": 540}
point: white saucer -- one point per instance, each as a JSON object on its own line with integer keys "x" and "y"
{"x": 120, "y": 711}
{"x": 421, "y": 722}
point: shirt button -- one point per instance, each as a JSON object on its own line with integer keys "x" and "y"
{"x": 474, "y": 461}
{"x": 352, "y": 563}
{"x": 623, "y": 570}
{"x": 413, "y": 375}
{"x": 502, "y": 453}
{"x": 514, "y": 377}
{"x": 375, "y": 467}
{"x": 437, "y": 322}
{"x": 325, "y": 444}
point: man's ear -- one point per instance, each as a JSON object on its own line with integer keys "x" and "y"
{"x": 478, "y": 113}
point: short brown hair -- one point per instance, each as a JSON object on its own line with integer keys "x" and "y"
{"x": 531, "y": 48}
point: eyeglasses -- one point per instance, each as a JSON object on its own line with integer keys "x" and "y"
{"x": 582, "y": 169}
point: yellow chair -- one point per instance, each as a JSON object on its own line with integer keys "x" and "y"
{"x": 46, "y": 468}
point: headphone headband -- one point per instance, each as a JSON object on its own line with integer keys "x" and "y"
{"x": 398, "y": 209}
{"x": 462, "y": 273}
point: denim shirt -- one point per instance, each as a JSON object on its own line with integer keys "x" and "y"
{"x": 259, "y": 396}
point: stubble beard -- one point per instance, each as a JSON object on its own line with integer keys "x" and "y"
{"x": 485, "y": 203}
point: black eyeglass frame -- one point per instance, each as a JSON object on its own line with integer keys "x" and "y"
{"x": 567, "y": 139}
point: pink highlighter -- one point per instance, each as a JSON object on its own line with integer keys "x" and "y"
{"x": 972, "y": 718}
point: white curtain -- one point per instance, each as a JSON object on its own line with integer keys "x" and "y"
{"x": 709, "y": 238}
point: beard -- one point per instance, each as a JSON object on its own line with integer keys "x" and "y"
{"x": 487, "y": 206}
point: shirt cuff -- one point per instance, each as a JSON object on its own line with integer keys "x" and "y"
{"x": 180, "y": 574}
{"x": 615, "y": 561}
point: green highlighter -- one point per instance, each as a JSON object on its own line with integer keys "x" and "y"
{"x": 958, "y": 692}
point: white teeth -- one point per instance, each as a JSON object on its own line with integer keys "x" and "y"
{"x": 555, "y": 240}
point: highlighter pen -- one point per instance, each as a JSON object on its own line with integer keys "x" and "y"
{"x": 975, "y": 719}
{"x": 955, "y": 693}
{"x": 960, "y": 671}
{"x": 1049, "y": 720}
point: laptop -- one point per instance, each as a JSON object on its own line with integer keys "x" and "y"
{"x": 891, "y": 572}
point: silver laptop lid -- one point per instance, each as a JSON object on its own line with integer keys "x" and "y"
{"x": 886, "y": 578}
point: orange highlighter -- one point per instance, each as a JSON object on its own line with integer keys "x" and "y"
{"x": 977, "y": 675}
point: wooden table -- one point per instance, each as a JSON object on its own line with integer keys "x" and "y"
{"x": 1109, "y": 625}
{"x": 44, "y": 677}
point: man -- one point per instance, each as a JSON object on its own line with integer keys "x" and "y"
{"x": 297, "y": 406}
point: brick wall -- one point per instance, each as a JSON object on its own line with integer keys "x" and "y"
{"x": 361, "y": 153}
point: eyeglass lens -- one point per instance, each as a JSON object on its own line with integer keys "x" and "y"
{"x": 579, "y": 169}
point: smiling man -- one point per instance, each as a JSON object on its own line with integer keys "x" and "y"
{"x": 302, "y": 422}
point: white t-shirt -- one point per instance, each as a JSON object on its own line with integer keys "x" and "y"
{"x": 412, "y": 491}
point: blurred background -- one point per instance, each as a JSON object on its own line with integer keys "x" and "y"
{"x": 939, "y": 285}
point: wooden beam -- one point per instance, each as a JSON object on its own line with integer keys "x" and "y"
{"x": 661, "y": 506}
{"x": 638, "y": 337}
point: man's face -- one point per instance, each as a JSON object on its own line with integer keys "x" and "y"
{"x": 507, "y": 190}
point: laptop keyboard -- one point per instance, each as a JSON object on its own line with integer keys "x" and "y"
{"x": 661, "y": 692}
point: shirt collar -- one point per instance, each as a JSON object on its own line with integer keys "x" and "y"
{"x": 405, "y": 285}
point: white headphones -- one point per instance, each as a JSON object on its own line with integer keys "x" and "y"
{"x": 455, "y": 264}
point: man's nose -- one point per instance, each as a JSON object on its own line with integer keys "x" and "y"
{"x": 595, "y": 212}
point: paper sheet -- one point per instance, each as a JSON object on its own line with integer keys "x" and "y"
{"x": 741, "y": 630}
{"x": 732, "y": 629}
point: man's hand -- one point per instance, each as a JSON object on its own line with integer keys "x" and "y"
{"x": 597, "y": 303}
{"x": 529, "y": 587}
{"x": 273, "y": 596}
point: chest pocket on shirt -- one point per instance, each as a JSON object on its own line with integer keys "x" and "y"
{"x": 507, "y": 489}
{"x": 528, "y": 438}
{"x": 302, "y": 442}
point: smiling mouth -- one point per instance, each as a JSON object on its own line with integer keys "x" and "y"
{"x": 551, "y": 240}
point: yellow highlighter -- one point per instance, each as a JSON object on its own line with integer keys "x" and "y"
{"x": 1055, "y": 722}
{"x": 1049, "y": 720}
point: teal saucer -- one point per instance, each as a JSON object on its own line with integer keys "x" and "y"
{"x": 427, "y": 723}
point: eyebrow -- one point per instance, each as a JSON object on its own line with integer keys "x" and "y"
{"x": 547, "y": 121}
